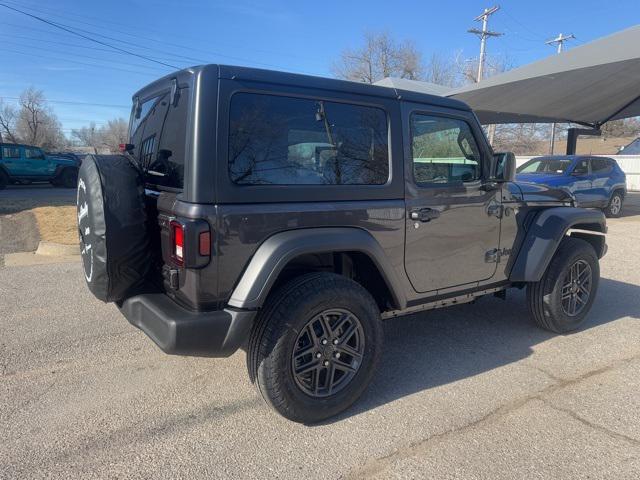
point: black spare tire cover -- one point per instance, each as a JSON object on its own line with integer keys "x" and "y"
{"x": 112, "y": 220}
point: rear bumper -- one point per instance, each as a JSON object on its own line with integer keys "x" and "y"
{"x": 179, "y": 331}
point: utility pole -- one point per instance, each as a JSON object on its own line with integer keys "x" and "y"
{"x": 484, "y": 34}
{"x": 559, "y": 40}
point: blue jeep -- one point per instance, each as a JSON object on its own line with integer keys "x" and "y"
{"x": 26, "y": 164}
{"x": 596, "y": 182}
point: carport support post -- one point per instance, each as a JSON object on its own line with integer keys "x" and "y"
{"x": 574, "y": 133}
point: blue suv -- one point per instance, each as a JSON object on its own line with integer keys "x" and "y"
{"x": 26, "y": 164}
{"x": 596, "y": 182}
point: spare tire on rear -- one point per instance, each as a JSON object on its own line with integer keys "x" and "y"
{"x": 112, "y": 220}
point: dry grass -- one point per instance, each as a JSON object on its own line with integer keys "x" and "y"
{"x": 57, "y": 224}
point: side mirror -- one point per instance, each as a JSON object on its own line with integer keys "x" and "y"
{"x": 505, "y": 166}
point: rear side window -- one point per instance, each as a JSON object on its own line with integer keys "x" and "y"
{"x": 33, "y": 153}
{"x": 10, "y": 152}
{"x": 159, "y": 139}
{"x": 277, "y": 140}
{"x": 601, "y": 165}
{"x": 444, "y": 151}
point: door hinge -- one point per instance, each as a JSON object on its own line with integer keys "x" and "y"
{"x": 492, "y": 256}
{"x": 495, "y": 255}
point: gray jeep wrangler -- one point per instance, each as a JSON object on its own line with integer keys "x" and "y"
{"x": 289, "y": 215}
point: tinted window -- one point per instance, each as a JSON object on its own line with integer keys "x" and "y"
{"x": 141, "y": 113}
{"x": 600, "y": 165}
{"x": 34, "y": 153}
{"x": 444, "y": 151}
{"x": 292, "y": 141}
{"x": 582, "y": 168}
{"x": 10, "y": 152}
{"x": 146, "y": 151}
{"x": 159, "y": 139}
{"x": 545, "y": 165}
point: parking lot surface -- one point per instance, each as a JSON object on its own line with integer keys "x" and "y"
{"x": 474, "y": 391}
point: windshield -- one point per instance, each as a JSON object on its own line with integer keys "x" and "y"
{"x": 556, "y": 166}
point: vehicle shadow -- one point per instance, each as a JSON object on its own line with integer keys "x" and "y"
{"x": 434, "y": 348}
{"x": 631, "y": 206}
{"x": 17, "y": 198}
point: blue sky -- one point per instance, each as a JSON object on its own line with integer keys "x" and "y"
{"x": 300, "y": 36}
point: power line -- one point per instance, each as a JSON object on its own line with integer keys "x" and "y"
{"x": 42, "y": 49}
{"x": 69, "y": 102}
{"x": 66, "y": 44}
{"x": 28, "y": 54}
{"x": 74, "y": 30}
{"x": 173, "y": 55}
{"x": 86, "y": 37}
{"x": 102, "y": 22}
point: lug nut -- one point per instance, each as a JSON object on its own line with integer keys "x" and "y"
{"x": 337, "y": 354}
{"x": 335, "y": 341}
{"x": 324, "y": 341}
{"x": 318, "y": 355}
{"x": 326, "y": 363}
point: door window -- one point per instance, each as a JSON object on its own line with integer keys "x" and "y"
{"x": 277, "y": 140}
{"x": 33, "y": 154}
{"x": 444, "y": 151}
{"x": 582, "y": 168}
{"x": 10, "y": 152}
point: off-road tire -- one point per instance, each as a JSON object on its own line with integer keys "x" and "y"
{"x": 616, "y": 203}
{"x": 544, "y": 298}
{"x": 68, "y": 178}
{"x": 275, "y": 335}
{"x": 4, "y": 180}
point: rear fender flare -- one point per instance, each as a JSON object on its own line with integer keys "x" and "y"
{"x": 545, "y": 234}
{"x": 278, "y": 250}
{"x": 619, "y": 187}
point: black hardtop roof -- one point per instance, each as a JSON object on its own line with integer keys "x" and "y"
{"x": 299, "y": 80}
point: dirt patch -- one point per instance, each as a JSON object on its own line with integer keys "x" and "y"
{"x": 57, "y": 224}
{"x": 18, "y": 233}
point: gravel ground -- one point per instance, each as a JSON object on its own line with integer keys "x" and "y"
{"x": 18, "y": 233}
{"x": 473, "y": 391}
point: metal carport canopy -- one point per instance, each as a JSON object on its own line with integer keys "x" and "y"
{"x": 589, "y": 85}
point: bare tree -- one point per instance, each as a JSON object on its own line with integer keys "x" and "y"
{"x": 442, "y": 70}
{"x": 33, "y": 123}
{"x": 88, "y": 136}
{"x": 380, "y": 57}
{"x": 108, "y": 137}
{"x": 8, "y": 120}
{"x": 114, "y": 133}
{"x": 627, "y": 127}
{"x": 494, "y": 64}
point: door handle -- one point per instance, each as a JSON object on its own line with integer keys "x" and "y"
{"x": 424, "y": 214}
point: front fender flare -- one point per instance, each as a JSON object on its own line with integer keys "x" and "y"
{"x": 545, "y": 234}
{"x": 278, "y": 250}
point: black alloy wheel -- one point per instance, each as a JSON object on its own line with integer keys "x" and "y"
{"x": 576, "y": 288}
{"x": 328, "y": 353}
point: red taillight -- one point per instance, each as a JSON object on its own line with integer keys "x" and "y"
{"x": 125, "y": 147}
{"x": 204, "y": 247}
{"x": 177, "y": 244}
